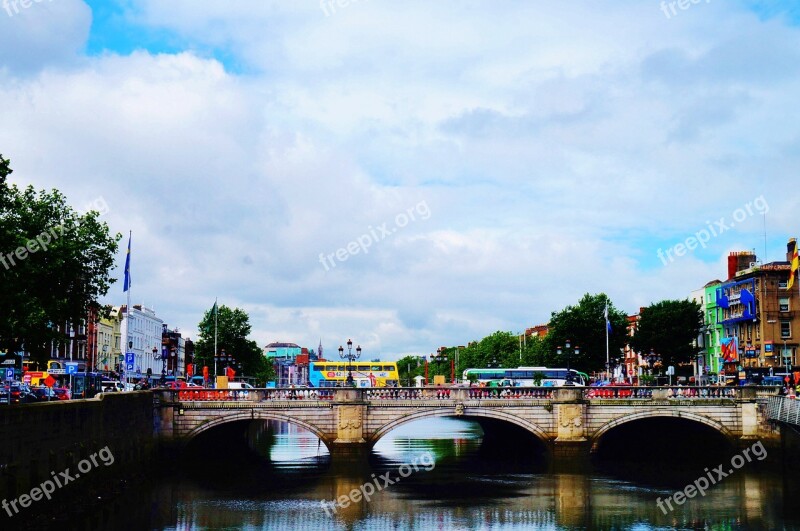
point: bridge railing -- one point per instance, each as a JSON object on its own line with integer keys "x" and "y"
{"x": 677, "y": 392}
{"x": 384, "y": 394}
{"x": 458, "y": 393}
{"x": 784, "y": 409}
{"x": 249, "y": 395}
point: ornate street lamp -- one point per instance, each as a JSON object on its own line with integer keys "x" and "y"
{"x": 652, "y": 358}
{"x": 566, "y": 350}
{"x": 350, "y": 357}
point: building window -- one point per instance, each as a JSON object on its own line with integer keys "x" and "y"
{"x": 783, "y": 304}
{"x": 786, "y": 329}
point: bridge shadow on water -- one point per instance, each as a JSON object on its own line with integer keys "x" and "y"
{"x": 663, "y": 452}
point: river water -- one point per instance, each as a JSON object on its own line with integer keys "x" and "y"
{"x": 454, "y": 485}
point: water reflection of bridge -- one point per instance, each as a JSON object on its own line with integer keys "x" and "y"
{"x": 569, "y": 422}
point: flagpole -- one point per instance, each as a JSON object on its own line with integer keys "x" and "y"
{"x": 608, "y": 365}
{"x": 216, "y": 313}
{"x": 127, "y": 311}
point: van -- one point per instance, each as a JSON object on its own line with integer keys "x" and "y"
{"x": 239, "y": 385}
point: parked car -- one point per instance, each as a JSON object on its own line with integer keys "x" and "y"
{"x": 18, "y": 392}
{"x": 44, "y": 394}
{"x": 239, "y": 385}
{"x": 62, "y": 393}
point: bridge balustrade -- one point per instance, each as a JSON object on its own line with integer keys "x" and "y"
{"x": 678, "y": 392}
{"x": 512, "y": 393}
{"x": 466, "y": 393}
{"x": 214, "y": 395}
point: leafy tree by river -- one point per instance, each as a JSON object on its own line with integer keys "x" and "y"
{"x": 55, "y": 264}
{"x": 233, "y": 327}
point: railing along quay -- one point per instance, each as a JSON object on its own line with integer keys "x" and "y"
{"x": 784, "y": 409}
{"x": 388, "y": 394}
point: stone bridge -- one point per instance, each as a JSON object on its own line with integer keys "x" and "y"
{"x": 570, "y": 421}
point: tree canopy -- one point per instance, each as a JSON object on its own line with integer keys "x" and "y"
{"x": 585, "y": 326}
{"x": 54, "y": 265}
{"x": 670, "y": 328}
{"x": 233, "y": 327}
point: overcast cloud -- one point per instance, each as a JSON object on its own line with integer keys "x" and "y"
{"x": 556, "y": 145}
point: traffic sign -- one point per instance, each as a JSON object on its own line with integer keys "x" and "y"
{"x": 26, "y": 378}
{"x": 72, "y": 368}
{"x": 9, "y": 374}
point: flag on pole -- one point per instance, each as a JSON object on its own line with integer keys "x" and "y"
{"x": 127, "y": 283}
{"x": 214, "y": 309}
{"x": 795, "y": 264}
{"x": 608, "y": 323}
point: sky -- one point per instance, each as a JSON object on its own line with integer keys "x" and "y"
{"x": 410, "y": 174}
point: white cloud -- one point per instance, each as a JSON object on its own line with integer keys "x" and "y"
{"x": 558, "y": 147}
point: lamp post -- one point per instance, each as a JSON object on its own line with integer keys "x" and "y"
{"x": 350, "y": 357}
{"x": 651, "y": 359}
{"x": 566, "y": 351}
{"x": 156, "y": 357}
{"x": 105, "y": 355}
{"x": 787, "y": 360}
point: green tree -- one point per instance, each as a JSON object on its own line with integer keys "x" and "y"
{"x": 670, "y": 328}
{"x": 409, "y": 367}
{"x": 233, "y": 327}
{"x": 585, "y": 326}
{"x": 54, "y": 266}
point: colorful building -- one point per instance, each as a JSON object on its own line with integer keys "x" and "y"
{"x": 757, "y": 314}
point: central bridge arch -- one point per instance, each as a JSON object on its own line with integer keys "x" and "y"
{"x": 472, "y": 413}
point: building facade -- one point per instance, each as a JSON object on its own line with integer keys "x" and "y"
{"x": 144, "y": 333}
{"x": 757, "y": 315}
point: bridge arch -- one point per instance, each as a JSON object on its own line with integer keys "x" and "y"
{"x": 598, "y": 435}
{"x": 254, "y": 415}
{"x": 472, "y": 413}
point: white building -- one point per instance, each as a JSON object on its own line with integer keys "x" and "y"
{"x": 144, "y": 338}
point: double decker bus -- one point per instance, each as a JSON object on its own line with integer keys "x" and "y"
{"x": 365, "y": 373}
{"x": 525, "y": 377}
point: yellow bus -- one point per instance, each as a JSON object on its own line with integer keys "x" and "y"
{"x": 365, "y": 373}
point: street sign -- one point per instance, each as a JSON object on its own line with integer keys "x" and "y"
{"x": 49, "y": 381}
{"x": 26, "y": 378}
{"x": 130, "y": 360}
{"x": 9, "y": 374}
{"x": 57, "y": 371}
{"x": 72, "y": 368}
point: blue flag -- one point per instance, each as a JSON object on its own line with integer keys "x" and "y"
{"x": 127, "y": 284}
{"x": 608, "y": 323}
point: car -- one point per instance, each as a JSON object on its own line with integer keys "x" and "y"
{"x": 239, "y": 385}
{"x": 17, "y": 393}
{"x": 62, "y": 393}
{"x": 179, "y": 384}
{"x": 44, "y": 394}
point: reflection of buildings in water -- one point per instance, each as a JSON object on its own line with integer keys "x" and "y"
{"x": 567, "y": 501}
{"x": 282, "y": 442}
